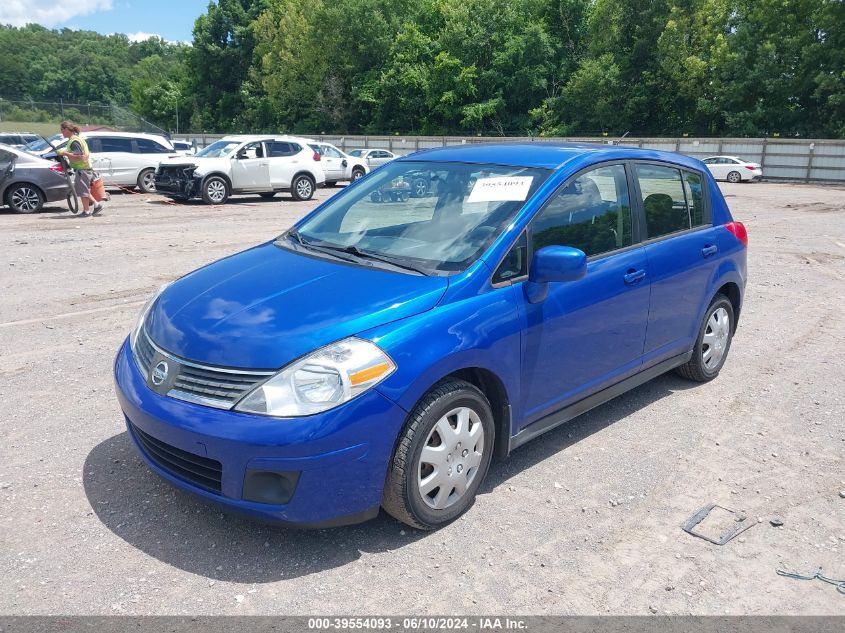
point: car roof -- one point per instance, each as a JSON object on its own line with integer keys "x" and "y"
{"x": 724, "y": 156}
{"x": 546, "y": 155}
{"x": 246, "y": 138}
{"x": 22, "y": 154}
{"x": 155, "y": 137}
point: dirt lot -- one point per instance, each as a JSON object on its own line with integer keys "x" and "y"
{"x": 583, "y": 520}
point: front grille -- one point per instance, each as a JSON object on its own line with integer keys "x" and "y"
{"x": 216, "y": 384}
{"x": 217, "y": 387}
{"x": 200, "y": 471}
{"x": 144, "y": 352}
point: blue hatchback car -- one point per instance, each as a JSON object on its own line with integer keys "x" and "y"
{"x": 381, "y": 352}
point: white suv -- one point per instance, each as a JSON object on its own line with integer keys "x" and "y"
{"x": 123, "y": 159}
{"x": 243, "y": 164}
{"x": 339, "y": 165}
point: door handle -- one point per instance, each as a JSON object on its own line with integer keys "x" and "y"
{"x": 633, "y": 276}
{"x": 709, "y": 250}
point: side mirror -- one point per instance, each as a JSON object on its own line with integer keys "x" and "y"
{"x": 553, "y": 264}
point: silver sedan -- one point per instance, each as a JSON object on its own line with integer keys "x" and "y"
{"x": 27, "y": 181}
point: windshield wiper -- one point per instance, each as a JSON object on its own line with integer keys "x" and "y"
{"x": 354, "y": 251}
{"x": 357, "y": 252}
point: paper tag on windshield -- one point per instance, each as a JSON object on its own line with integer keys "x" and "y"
{"x": 501, "y": 189}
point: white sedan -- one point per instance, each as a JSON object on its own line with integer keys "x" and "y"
{"x": 374, "y": 157}
{"x": 733, "y": 169}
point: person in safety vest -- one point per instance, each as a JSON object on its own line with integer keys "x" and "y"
{"x": 78, "y": 156}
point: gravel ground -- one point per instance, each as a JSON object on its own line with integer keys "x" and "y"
{"x": 584, "y": 520}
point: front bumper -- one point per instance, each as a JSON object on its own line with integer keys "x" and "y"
{"x": 340, "y": 457}
{"x": 177, "y": 181}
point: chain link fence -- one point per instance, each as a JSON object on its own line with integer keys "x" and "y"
{"x": 40, "y": 116}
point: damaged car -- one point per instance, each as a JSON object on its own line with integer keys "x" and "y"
{"x": 263, "y": 165}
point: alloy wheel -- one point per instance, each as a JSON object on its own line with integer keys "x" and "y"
{"x": 216, "y": 190}
{"x": 25, "y": 199}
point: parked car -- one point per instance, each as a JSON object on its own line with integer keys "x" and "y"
{"x": 381, "y": 356}
{"x": 41, "y": 146}
{"x": 124, "y": 159}
{"x": 18, "y": 140}
{"x": 374, "y": 157}
{"x": 243, "y": 164}
{"x": 733, "y": 169}
{"x": 186, "y": 148}
{"x": 339, "y": 165}
{"x": 27, "y": 182}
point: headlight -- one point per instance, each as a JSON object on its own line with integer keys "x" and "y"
{"x": 133, "y": 336}
{"x": 320, "y": 381}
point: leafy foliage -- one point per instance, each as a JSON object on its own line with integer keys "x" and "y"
{"x": 708, "y": 67}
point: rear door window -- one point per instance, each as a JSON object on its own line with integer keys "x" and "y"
{"x": 278, "y": 149}
{"x": 114, "y": 144}
{"x": 148, "y": 146}
{"x": 663, "y": 200}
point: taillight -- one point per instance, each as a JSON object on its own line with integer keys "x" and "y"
{"x": 316, "y": 155}
{"x": 751, "y": 167}
{"x": 57, "y": 168}
{"x": 738, "y": 229}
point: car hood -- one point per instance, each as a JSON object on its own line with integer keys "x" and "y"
{"x": 265, "y": 307}
{"x": 203, "y": 164}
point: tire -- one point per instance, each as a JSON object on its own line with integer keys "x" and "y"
{"x": 267, "y": 195}
{"x": 419, "y": 188}
{"x": 713, "y": 342}
{"x": 734, "y": 177}
{"x": 25, "y": 198}
{"x": 416, "y": 492}
{"x": 215, "y": 190}
{"x": 302, "y": 188}
{"x": 146, "y": 180}
{"x": 357, "y": 174}
{"x": 375, "y": 196}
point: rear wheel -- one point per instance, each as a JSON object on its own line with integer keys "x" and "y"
{"x": 734, "y": 177}
{"x": 25, "y": 198}
{"x": 215, "y": 190}
{"x": 302, "y": 188}
{"x": 442, "y": 456}
{"x": 147, "y": 180}
{"x": 714, "y": 341}
{"x": 419, "y": 187}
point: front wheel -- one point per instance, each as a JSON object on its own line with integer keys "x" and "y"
{"x": 734, "y": 177}
{"x": 357, "y": 174}
{"x": 713, "y": 342}
{"x": 25, "y": 198}
{"x": 302, "y": 188}
{"x": 215, "y": 190}
{"x": 442, "y": 456}
{"x": 147, "y": 180}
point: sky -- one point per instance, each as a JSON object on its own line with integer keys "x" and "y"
{"x": 170, "y": 19}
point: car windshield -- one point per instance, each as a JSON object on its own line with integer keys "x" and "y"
{"x": 218, "y": 149}
{"x": 434, "y": 217}
{"x": 39, "y": 144}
